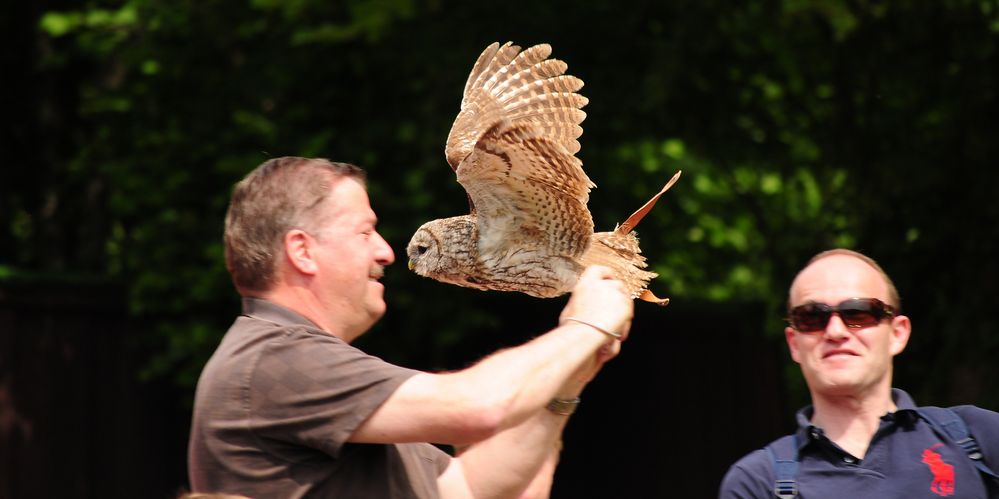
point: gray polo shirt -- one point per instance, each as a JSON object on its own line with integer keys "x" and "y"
{"x": 276, "y": 404}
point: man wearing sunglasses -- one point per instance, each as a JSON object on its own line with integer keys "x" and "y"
{"x": 860, "y": 437}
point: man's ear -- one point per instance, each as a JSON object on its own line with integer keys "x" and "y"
{"x": 901, "y": 328}
{"x": 299, "y": 249}
{"x": 789, "y": 333}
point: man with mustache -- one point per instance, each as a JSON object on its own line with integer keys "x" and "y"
{"x": 861, "y": 438}
{"x": 286, "y": 407}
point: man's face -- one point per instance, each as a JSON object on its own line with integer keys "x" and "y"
{"x": 842, "y": 361}
{"x": 351, "y": 256}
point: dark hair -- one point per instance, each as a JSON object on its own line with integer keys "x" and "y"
{"x": 277, "y": 196}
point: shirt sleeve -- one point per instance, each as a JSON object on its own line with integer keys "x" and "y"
{"x": 309, "y": 388}
{"x": 749, "y": 478}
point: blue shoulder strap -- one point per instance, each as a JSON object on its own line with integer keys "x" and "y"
{"x": 946, "y": 421}
{"x": 784, "y": 453}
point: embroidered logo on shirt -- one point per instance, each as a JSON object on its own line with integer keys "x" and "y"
{"x": 943, "y": 473}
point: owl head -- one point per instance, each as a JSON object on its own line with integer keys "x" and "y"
{"x": 445, "y": 250}
{"x": 424, "y": 250}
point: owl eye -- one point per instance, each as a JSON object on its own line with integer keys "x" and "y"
{"x": 421, "y": 249}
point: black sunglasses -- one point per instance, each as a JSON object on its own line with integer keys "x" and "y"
{"x": 855, "y": 313}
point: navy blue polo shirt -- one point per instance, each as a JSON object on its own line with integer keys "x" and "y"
{"x": 906, "y": 459}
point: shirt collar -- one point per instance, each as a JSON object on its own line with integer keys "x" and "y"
{"x": 258, "y": 308}
{"x": 905, "y": 413}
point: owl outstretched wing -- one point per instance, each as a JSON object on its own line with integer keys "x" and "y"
{"x": 528, "y": 193}
{"x": 520, "y": 87}
{"x": 512, "y": 147}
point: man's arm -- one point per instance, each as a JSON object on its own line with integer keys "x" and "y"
{"x": 505, "y": 389}
{"x": 519, "y": 461}
{"x": 541, "y": 486}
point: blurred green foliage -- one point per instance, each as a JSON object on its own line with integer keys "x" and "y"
{"x": 799, "y": 125}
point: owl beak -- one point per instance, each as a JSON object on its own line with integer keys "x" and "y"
{"x": 411, "y": 265}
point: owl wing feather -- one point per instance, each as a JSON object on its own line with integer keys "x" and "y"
{"x": 528, "y": 192}
{"x": 512, "y": 147}
{"x": 520, "y": 87}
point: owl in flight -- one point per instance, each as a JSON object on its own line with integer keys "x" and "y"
{"x": 513, "y": 149}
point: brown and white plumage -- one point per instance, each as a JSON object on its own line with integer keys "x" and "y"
{"x": 513, "y": 148}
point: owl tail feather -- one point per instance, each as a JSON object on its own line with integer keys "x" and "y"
{"x": 637, "y": 216}
{"x": 624, "y": 255}
{"x": 650, "y": 297}
{"x": 620, "y": 253}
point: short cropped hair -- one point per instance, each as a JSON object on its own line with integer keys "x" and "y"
{"x": 893, "y": 298}
{"x": 277, "y": 196}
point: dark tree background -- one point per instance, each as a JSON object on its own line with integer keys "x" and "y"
{"x": 799, "y": 126}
